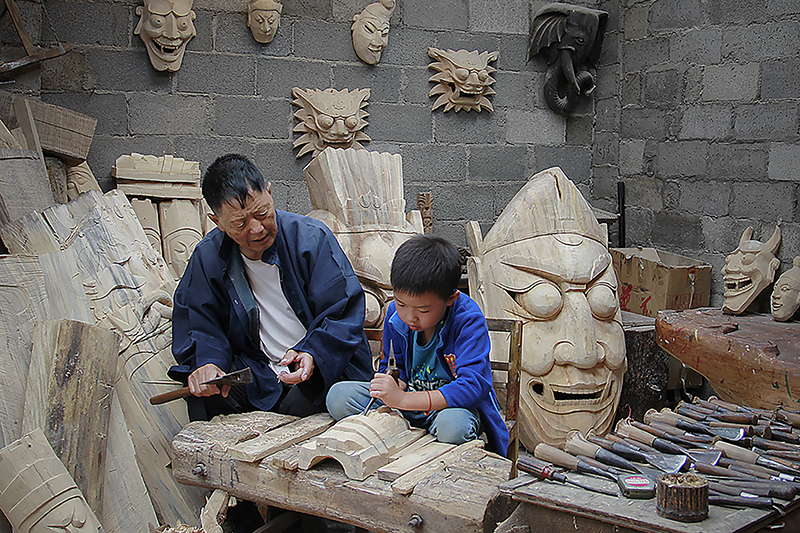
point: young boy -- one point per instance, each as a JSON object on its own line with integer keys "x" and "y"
{"x": 441, "y": 345}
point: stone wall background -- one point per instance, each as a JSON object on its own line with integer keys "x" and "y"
{"x": 696, "y": 108}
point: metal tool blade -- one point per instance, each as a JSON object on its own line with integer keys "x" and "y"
{"x": 239, "y": 377}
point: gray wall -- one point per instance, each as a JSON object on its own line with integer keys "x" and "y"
{"x": 696, "y": 108}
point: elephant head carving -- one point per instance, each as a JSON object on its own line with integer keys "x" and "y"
{"x": 569, "y": 38}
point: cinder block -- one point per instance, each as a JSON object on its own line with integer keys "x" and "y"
{"x": 575, "y": 161}
{"x": 231, "y": 74}
{"x": 672, "y": 194}
{"x": 607, "y": 82}
{"x": 638, "y": 225}
{"x": 770, "y": 122}
{"x": 696, "y": 46}
{"x": 91, "y": 23}
{"x": 517, "y": 90}
{"x": 480, "y": 42}
{"x": 639, "y": 123}
{"x": 231, "y": 34}
{"x": 757, "y": 42}
{"x": 636, "y": 21}
{"x": 790, "y": 245}
{"x": 497, "y": 163}
{"x": 204, "y": 40}
{"x": 467, "y": 127}
{"x": 752, "y": 199}
{"x": 252, "y": 117}
{"x": 277, "y": 76}
{"x": 513, "y": 52}
{"x": 163, "y": 114}
{"x": 738, "y": 161}
{"x": 704, "y": 197}
{"x": 666, "y": 14}
{"x": 456, "y": 201}
{"x": 70, "y": 73}
{"x": 580, "y": 131}
{"x": 737, "y": 11}
{"x": 731, "y": 82}
{"x": 313, "y": 9}
{"x": 31, "y": 14}
{"x": 606, "y": 148}
{"x": 535, "y": 127}
{"x": 407, "y": 46}
{"x": 430, "y": 163}
{"x": 663, "y": 88}
{"x": 605, "y": 188}
{"x": 607, "y": 115}
{"x": 722, "y": 233}
{"x": 784, "y": 163}
{"x": 278, "y": 162}
{"x": 706, "y": 122}
{"x": 489, "y": 17}
{"x": 113, "y": 109}
{"x": 645, "y": 192}
{"x": 449, "y": 15}
{"x": 681, "y": 158}
{"x": 502, "y": 197}
{"x": 672, "y": 228}
{"x": 225, "y": 6}
{"x": 640, "y": 55}
{"x": 415, "y": 86}
{"x": 780, "y": 79}
{"x": 384, "y": 83}
{"x": 323, "y": 40}
{"x": 631, "y": 89}
{"x": 390, "y": 122}
{"x": 631, "y": 157}
{"x": 453, "y": 231}
{"x": 124, "y": 70}
{"x": 609, "y": 53}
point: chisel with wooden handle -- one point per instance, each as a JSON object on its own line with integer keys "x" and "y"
{"x": 671, "y": 464}
{"x": 737, "y": 453}
{"x": 702, "y": 414}
{"x": 545, "y": 471}
{"x": 674, "y": 419}
{"x": 683, "y": 435}
{"x": 551, "y": 454}
{"x": 240, "y": 377}
{"x": 626, "y": 428}
{"x": 724, "y": 500}
{"x": 578, "y": 445}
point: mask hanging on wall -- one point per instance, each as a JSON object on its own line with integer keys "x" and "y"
{"x": 330, "y": 118}
{"x": 263, "y": 19}
{"x": 546, "y": 261}
{"x": 166, "y": 26}
{"x": 463, "y": 79}
{"x": 371, "y": 31}
{"x": 748, "y": 270}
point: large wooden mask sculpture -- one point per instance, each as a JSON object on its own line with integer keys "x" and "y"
{"x": 330, "y": 118}
{"x": 546, "y": 261}
{"x": 371, "y": 31}
{"x": 37, "y": 494}
{"x": 569, "y": 38}
{"x": 263, "y": 19}
{"x": 166, "y": 26}
{"x": 463, "y": 79}
{"x": 359, "y": 195}
{"x": 748, "y": 270}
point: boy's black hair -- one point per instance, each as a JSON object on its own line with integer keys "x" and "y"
{"x": 231, "y": 176}
{"x": 425, "y": 263}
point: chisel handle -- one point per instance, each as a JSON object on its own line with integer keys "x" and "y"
{"x": 551, "y": 454}
{"x": 737, "y": 453}
{"x": 176, "y": 394}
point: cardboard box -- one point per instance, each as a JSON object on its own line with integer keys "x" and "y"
{"x": 651, "y": 280}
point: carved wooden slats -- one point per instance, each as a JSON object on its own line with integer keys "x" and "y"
{"x": 256, "y": 449}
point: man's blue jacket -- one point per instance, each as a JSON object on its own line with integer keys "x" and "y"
{"x": 215, "y": 319}
{"x": 463, "y": 349}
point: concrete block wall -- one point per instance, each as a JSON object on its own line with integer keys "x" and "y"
{"x": 234, "y": 94}
{"x": 708, "y": 127}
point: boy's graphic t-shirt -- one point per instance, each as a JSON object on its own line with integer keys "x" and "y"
{"x": 427, "y": 373}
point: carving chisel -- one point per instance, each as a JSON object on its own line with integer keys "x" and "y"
{"x": 737, "y": 453}
{"x": 240, "y": 377}
{"x": 546, "y": 471}
{"x": 673, "y": 419}
{"x": 391, "y": 369}
{"x": 627, "y": 429}
{"x": 578, "y": 445}
{"x": 672, "y": 464}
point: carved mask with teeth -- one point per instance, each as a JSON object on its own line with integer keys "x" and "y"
{"x": 546, "y": 261}
{"x": 165, "y": 27}
{"x": 463, "y": 79}
{"x": 748, "y": 270}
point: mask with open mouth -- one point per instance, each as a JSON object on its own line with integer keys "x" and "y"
{"x": 463, "y": 79}
{"x": 546, "y": 261}
{"x": 165, "y": 27}
{"x": 748, "y": 270}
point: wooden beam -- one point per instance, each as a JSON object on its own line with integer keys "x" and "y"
{"x": 256, "y": 449}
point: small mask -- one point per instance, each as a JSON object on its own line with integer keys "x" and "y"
{"x": 749, "y": 270}
{"x": 263, "y": 19}
{"x": 371, "y": 31}
{"x": 464, "y": 79}
{"x": 330, "y": 118}
{"x": 786, "y": 294}
{"x": 546, "y": 262}
{"x": 165, "y": 27}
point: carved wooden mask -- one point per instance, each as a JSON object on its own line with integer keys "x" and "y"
{"x": 786, "y": 294}
{"x": 463, "y": 79}
{"x": 748, "y": 270}
{"x": 371, "y": 31}
{"x": 546, "y": 261}
{"x": 263, "y": 19}
{"x": 330, "y": 118}
{"x": 166, "y": 26}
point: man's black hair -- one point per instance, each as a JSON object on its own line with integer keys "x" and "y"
{"x": 231, "y": 176}
{"x": 426, "y": 264}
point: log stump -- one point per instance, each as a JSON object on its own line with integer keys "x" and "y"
{"x": 682, "y": 497}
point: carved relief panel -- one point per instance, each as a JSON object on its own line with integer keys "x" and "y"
{"x": 330, "y": 118}
{"x": 464, "y": 79}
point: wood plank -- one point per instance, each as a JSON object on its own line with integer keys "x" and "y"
{"x": 214, "y": 511}
{"x": 413, "y": 447}
{"x": 410, "y": 461}
{"x": 8, "y": 139}
{"x": 22, "y": 109}
{"x": 405, "y": 484}
{"x": 172, "y": 191}
{"x": 70, "y": 383}
{"x": 62, "y": 132}
{"x": 256, "y": 449}
{"x": 24, "y": 186}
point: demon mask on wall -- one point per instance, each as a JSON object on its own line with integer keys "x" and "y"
{"x": 464, "y": 79}
{"x": 166, "y": 26}
{"x": 546, "y": 261}
{"x": 749, "y": 270}
{"x": 330, "y": 118}
{"x": 569, "y": 38}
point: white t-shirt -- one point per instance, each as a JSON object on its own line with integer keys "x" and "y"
{"x": 279, "y": 327}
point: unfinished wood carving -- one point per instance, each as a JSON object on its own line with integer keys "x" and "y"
{"x": 24, "y": 186}
{"x": 546, "y": 261}
{"x": 748, "y": 270}
{"x": 147, "y": 213}
{"x": 263, "y": 19}
{"x": 371, "y": 31}
{"x": 359, "y": 195}
{"x": 361, "y": 443}
{"x": 57, "y": 174}
{"x": 80, "y": 179}
{"x": 330, "y": 118}
{"x": 463, "y": 79}
{"x": 425, "y": 205}
{"x": 181, "y": 231}
{"x": 166, "y": 26}
{"x": 158, "y": 177}
{"x": 37, "y": 494}
{"x": 786, "y": 294}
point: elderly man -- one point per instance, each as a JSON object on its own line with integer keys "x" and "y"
{"x": 269, "y": 290}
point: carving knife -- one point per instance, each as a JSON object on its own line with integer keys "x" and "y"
{"x": 240, "y": 377}
{"x": 391, "y": 369}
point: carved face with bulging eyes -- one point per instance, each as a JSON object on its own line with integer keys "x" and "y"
{"x": 464, "y": 79}
{"x": 165, "y": 27}
{"x": 330, "y": 118}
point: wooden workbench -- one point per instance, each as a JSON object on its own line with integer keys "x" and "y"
{"x": 551, "y": 506}
{"x": 461, "y": 497}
